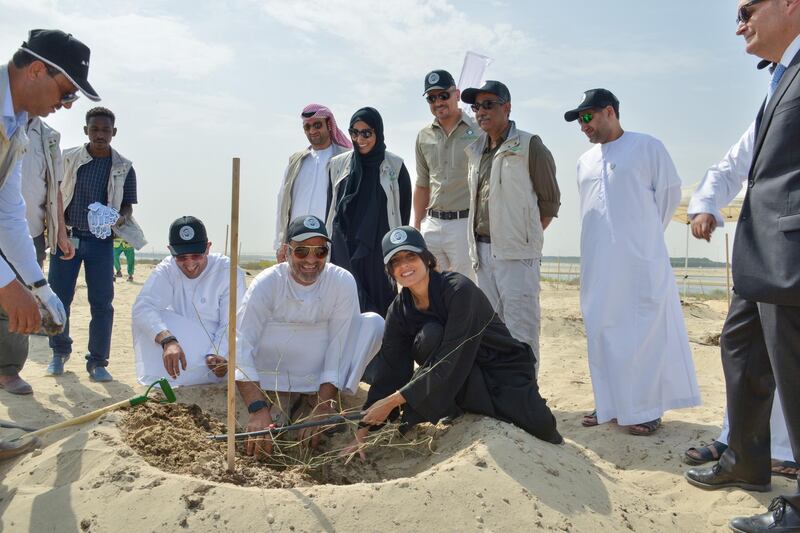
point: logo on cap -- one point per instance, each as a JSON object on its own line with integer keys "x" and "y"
{"x": 186, "y": 233}
{"x": 311, "y": 223}
{"x": 398, "y": 236}
{"x": 433, "y": 78}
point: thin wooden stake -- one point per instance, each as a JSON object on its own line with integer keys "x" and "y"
{"x": 232, "y": 316}
{"x": 727, "y": 271}
{"x": 227, "y": 229}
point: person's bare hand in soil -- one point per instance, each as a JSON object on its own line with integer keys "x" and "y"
{"x": 260, "y": 447}
{"x": 217, "y": 364}
{"x": 325, "y": 408}
{"x": 357, "y": 445}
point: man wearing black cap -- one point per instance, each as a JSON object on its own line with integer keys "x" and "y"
{"x": 441, "y": 195}
{"x": 513, "y": 198}
{"x": 43, "y": 75}
{"x": 94, "y": 173}
{"x": 180, "y": 317}
{"x": 302, "y": 339}
{"x": 639, "y": 355}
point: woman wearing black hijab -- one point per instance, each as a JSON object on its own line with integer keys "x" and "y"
{"x": 371, "y": 194}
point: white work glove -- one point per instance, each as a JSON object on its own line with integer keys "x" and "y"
{"x": 53, "y": 316}
{"x": 101, "y": 218}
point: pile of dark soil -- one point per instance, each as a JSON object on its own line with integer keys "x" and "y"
{"x": 174, "y": 438}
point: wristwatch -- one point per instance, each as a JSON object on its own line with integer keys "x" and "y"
{"x": 257, "y": 406}
{"x": 166, "y": 340}
{"x": 41, "y": 283}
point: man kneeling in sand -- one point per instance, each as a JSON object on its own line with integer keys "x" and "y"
{"x": 301, "y": 335}
{"x": 180, "y": 318}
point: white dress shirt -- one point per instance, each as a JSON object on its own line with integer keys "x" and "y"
{"x": 724, "y": 180}
{"x": 15, "y": 239}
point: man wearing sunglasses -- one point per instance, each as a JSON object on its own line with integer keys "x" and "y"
{"x": 637, "y": 342}
{"x": 513, "y": 198}
{"x": 43, "y": 75}
{"x": 441, "y": 194}
{"x": 302, "y": 339}
{"x": 761, "y": 334}
{"x": 93, "y": 173}
{"x": 180, "y": 317}
{"x": 306, "y": 187}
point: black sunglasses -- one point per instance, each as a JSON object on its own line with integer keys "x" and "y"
{"x": 585, "y": 117}
{"x": 486, "y": 104}
{"x": 744, "y": 14}
{"x": 66, "y": 98}
{"x": 365, "y": 133}
{"x": 431, "y": 98}
{"x": 315, "y": 125}
{"x": 301, "y": 252}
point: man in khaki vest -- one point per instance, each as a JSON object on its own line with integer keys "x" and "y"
{"x": 441, "y": 194}
{"x": 43, "y": 75}
{"x": 514, "y": 197}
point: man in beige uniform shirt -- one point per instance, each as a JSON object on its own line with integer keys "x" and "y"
{"x": 514, "y": 195}
{"x": 441, "y": 195}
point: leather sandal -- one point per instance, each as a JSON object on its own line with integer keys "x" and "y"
{"x": 709, "y": 453}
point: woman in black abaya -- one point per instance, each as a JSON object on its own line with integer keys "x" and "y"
{"x": 371, "y": 195}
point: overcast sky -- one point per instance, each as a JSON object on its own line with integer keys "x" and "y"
{"x": 195, "y": 83}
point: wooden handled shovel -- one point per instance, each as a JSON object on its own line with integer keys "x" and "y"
{"x": 28, "y": 441}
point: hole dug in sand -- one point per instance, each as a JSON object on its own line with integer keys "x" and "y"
{"x": 174, "y": 438}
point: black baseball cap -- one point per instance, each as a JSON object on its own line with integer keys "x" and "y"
{"x": 491, "y": 86}
{"x": 438, "y": 79}
{"x": 593, "y": 99}
{"x": 64, "y": 52}
{"x": 305, "y": 227}
{"x": 403, "y": 238}
{"x": 187, "y": 235}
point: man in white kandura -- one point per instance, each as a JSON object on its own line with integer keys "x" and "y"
{"x": 720, "y": 185}
{"x": 301, "y": 334}
{"x": 180, "y": 318}
{"x": 639, "y": 355}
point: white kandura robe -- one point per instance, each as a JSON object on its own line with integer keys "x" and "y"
{"x": 639, "y": 355}
{"x": 293, "y": 338}
{"x": 195, "y": 311}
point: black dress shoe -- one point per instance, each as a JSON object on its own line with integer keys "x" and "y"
{"x": 781, "y": 518}
{"x": 716, "y": 478}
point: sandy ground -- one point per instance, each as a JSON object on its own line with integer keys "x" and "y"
{"x": 479, "y": 474}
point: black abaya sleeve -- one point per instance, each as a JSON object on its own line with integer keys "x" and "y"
{"x": 435, "y": 385}
{"x": 394, "y": 364}
{"x": 404, "y": 181}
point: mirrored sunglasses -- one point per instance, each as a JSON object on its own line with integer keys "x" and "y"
{"x": 301, "y": 252}
{"x": 365, "y": 133}
{"x": 431, "y": 98}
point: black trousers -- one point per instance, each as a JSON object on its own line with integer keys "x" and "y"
{"x": 760, "y": 352}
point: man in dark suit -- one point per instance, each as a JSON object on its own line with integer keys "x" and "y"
{"x": 761, "y": 337}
